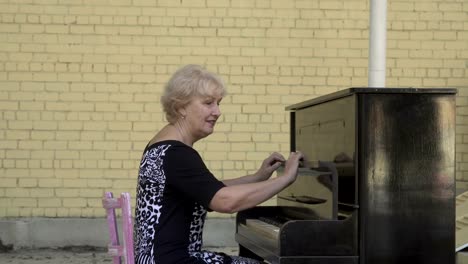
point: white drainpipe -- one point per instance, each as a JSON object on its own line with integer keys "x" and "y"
{"x": 377, "y": 43}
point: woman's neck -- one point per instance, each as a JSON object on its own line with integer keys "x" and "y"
{"x": 182, "y": 134}
{"x": 172, "y": 132}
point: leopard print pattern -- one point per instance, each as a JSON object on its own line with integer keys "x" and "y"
{"x": 196, "y": 238}
{"x": 196, "y": 243}
{"x": 196, "y": 228}
{"x": 243, "y": 260}
{"x": 151, "y": 182}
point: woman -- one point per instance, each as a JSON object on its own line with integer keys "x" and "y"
{"x": 175, "y": 189}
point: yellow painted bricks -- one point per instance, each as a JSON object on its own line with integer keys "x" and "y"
{"x": 80, "y": 83}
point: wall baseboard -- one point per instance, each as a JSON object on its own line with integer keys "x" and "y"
{"x": 67, "y": 232}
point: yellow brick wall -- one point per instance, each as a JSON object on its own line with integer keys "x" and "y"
{"x": 80, "y": 82}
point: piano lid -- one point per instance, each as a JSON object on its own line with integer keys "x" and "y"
{"x": 362, "y": 90}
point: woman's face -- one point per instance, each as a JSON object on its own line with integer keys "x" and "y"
{"x": 202, "y": 113}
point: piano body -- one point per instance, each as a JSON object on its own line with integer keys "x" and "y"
{"x": 380, "y": 188}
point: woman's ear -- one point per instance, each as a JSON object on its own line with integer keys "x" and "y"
{"x": 182, "y": 112}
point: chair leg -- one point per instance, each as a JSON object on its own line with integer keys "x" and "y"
{"x": 127, "y": 228}
{"x": 113, "y": 232}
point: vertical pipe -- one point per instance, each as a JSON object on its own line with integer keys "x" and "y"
{"x": 377, "y": 43}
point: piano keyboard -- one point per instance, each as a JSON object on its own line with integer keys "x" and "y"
{"x": 268, "y": 227}
{"x": 275, "y": 220}
{"x": 259, "y": 227}
{"x": 262, "y": 227}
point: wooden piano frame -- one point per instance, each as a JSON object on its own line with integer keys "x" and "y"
{"x": 338, "y": 244}
{"x": 398, "y": 188}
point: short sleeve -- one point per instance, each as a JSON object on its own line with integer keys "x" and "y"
{"x": 187, "y": 173}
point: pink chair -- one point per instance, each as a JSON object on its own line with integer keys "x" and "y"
{"x": 116, "y": 249}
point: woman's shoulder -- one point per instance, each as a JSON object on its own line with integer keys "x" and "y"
{"x": 174, "y": 153}
{"x": 173, "y": 145}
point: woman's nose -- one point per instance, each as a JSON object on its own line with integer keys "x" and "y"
{"x": 216, "y": 111}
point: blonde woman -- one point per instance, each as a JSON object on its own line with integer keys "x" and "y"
{"x": 175, "y": 188}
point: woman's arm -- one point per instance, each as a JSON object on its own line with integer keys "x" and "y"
{"x": 234, "y": 198}
{"x": 269, "y": 165}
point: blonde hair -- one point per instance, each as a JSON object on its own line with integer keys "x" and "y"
{"x": 186, "y": 83}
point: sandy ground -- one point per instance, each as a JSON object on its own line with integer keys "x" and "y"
{"x": 72, "y": 255}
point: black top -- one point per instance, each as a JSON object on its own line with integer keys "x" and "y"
{"x": 174, "y": 190}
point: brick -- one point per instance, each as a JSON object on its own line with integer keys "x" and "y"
{"x": 24, "y": 202}
{"x": 8, "y": 182}
{"x": 6, "y": 105}
{"x": 42, "y": 173}
{"x": 289, "y": 80}
{"x": 80, "y": 145}
{"x": 68, "y": 192}
{"x": 71, "y": 125}
{"x": 8, "y": 144}
{"x": 17, "y": 154}
{"x": 37, "y": 212}
{"x": 217, "y": 3}
{"x": 49, "y": 202}
{"x": 42, "y": 192}
{"x": 450, "y": 6}
{"x": 106, "y": 107}
{"x": 44, "y": 125}
{"x": 29, "y": 144}
{"x": 99, "y": 183}
{"x": 31, "y": 28}
{"x": 67, "y": 135}
{"x": 11, "y": 212}
{"x": 131, "y": 107}
{"x": 122, "y": 183}
{"x": 91, "y": 135}
{"x": 9, "y": 28}
{"x": 216, "y": 155}
{"x": 51, "y": 183}
{"x": 67, "y": 154}
{"x": 74, "y": 202}
{"x": 55, "y": 145}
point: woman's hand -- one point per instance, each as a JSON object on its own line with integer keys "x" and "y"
{"x": 292, "y": 165}
{"x": 249, "y": 191}
{"x": 269, "y": 165}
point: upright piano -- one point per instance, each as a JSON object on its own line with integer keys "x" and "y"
{"x": 377, "y": 187}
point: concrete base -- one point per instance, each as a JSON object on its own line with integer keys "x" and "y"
{"x": 68, "y": 232}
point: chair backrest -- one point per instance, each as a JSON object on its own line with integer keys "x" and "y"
{"x": 116, "y": 249}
